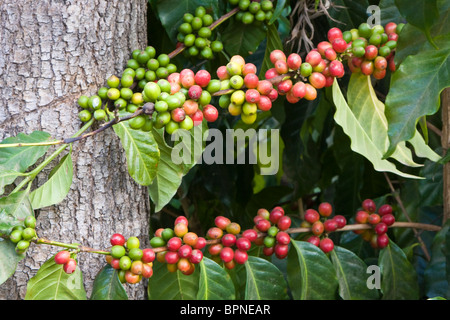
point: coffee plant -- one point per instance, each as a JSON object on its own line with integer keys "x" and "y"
{"x": 360, "y": 181}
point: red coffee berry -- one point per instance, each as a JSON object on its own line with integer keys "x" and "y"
{"x": 339, "y": 45}
{"x": 340, "y": 220}
{"x": 281, "y": 66}
{"x": 336, "y": 69}
{"x": 171, "y": 257}
{"x": 215, "y": 249}
{"x": 229, "y": 240}
{"x": 276, "y": 55}
{"x": 273, "y": 95}
{"x": 184, "y": 251}
{"x": 299, "y": 89}
{"x": 252, "y": 96}
{"x": 330, "y": 54}
{"x": 265, "y": 102}
{"x": 312, "y": 215}
{"x": 314, "y": 240}
{"x": 381, "y": 228}
{"x": 283, "y": 237}
{"x": 264, "y": 87}
{"x": 382, "y": 241}
{"x": 115, "y": 263}
{"x": 181, "y": 219}
{"x": 173, "y": 244}
{"x": 275, "y": 215}
{"x": 384, "y": 210}
{"x": 371, "y": 52}
{"x": 326, "y": 244}
{"x": 195, "y": 92}
{"x": 196, "y": 256}
{"x": 190, "y": 238}
{"x": 379, "y": 73}
{"x": 369, "y": 205}
{"x": 243, "y": 244}
{"x": 148, "y": 255}
{"x": 240, "y": 256}
{"x": 284, "y": 223}
{"x": 325, "y": 209}
{"x": 201, "y": 243}
{"x": 367, "y": 67}
{"x": 147, "y": 271}
{"x": 388, "y": 219}
{"x": 70, "y": 266}
{"x": 202, "y": 78}
{"x": 251, "y": 81}
{"x": 249, "y": 68}
{"x": 362, "y": 216}
{"x": 250, "y": 234}
{"x": 226, "y": 254}
{"x": 284, "y": 86}
{"x": 323, "y": 46}
{"x": 317, "y": 80}
{"x": 390, "y": 27}
{"x": 281, "y": 250}
{"x": 330, "y": 225}
{"x": 62, "y": 257}
{"x": 313, "y": 58}
{"x": 294, "y": 61}
{"x": 222, "y": 222}
{"x": 268, "y": 251}
{"x": 334, "y": 33}
{"x": 263, "y": 225}
{"x": 117, "y": 240}
{"x": 222, "y": 73}
{"x": 210, "y": 113}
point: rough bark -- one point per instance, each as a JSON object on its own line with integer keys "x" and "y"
{"x": 51, "y": 52}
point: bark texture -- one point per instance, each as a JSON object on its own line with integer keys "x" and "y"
{"x": 51, "y": 52}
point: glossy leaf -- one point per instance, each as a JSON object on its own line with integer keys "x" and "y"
{"x": 56, "y": 188}
{"x": 264, "y": 280}
{"x": 399, "y": 279}
{"x": 242, "y": 39}
{"x": 165, "y": 285}
{"x": 52, "y": 283}
{"x": 13, "y": 210}
{"x": 16, "y": 160}
{"x": 350, "y": 13}
{"x": 352, "y": 275}
{"x": 214, "y": 283}
{"x": 422, "y": 14}
{"x": 141, "y": 151}
{"x": 273, "y": 43}
{"x": 366, "y": 138}
{"x": 8, "y": 260}
{"x": 310, "y": 274}
{"x": 107, "y": 285}
{"x": 426, "y": 74}
{"x": 389, "y": 12}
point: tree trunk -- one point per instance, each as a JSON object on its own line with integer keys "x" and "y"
{"x": 51, "y": 52}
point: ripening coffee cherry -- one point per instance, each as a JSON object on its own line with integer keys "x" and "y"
{"x": 340, "y": 220}
{"x": 283, "y": 238}
{"x": 196, "y": 256}
{"x": 262, "y": 225}
{"x": 384, "y": 210}
{"x": 215, "y": 249}
{"x": 369, "y": 205}
{"x": 374, "y": 218}
{"x": 70, "y": 266}
{"x": 315, "y": 240}
{"x": 185, "y": 251}
{"x": 339, "y": 45}
{"x": 330, "y": 225}
{"x": 125, "y": 263}
{"x": 382, "y": 241}
{"x": 117, "y": 240}
{"x": 243, "y": 244}
{"x": 228, "y": 240}
{"x": 147, "y": 270}
{"x": 388, "y": 219}
{"x": 132, "y": 242}
{"x": 275, "y": 215}
{"x": 118, "y": 252}
{"x": 326, "y": 244}
{"x": 325, "y": 209}
{"x": 381, "y": 228}
{"x": 250, "y": 234}
{"x": 317, "y": 80}
{"x": 181, "y": 219}
{"x": 334, "y": 33}
{"x": 294, "y": 61}
{"x": 214, "y": 233}
{"x": 201, "y": 243}
{"x": 362, "y": 217}
{"x": 174, "y": 244}
{"x": 284, "y": 223}
{"x": 312, "y": 215}
{"x": 310, "y": 92}
{"x": 62, "y": 257}
{"x": 210, "y": 113}
{"x": 276, "y": 55}
{"x": 240, "y": 256}
{"x": 190, "y": 239}
{"x": 227, "y": 254}
{"x": 317, "y": 228}
{"x": 132, "y": 278}
{"x": 148, "y": 255}
{"x": 313, "y": 58}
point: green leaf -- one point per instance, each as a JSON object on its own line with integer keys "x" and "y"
{"x": 264, "y": 280}
{"x": 7, "y": 177}
{"x": 171, "y": 12}
{"x": 13, "y": 210}
{"x": 242, "y": 39}
{"x": 8, "y": 260}
{"x": 351, "y": 14}
{"x": 141, "y": 151}
{"x": 56, "y": 188}
{"x": 389, "y": 12}
{"x": 399, "y": 278}
{"x": 364, "y": 123}
{"x": 107, "y": 285}
{"x": 18, "y": 159}
{"x": 278, "y": 11}
{"x": 415, "y": 90}
{"x": 52, "y": 283}
{"x": 214, "y": 283}
{"x": 165, "y": 285}
{"x": 310, "y": 274}
{"x": 170, "y": 173}
{"x": 422, "y": 14}
{"x": 352, "y": 275}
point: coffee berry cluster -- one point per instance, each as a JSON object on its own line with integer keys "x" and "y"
{"x": 22, "y": 235}
{"x": 379, "y": 220}
{"x": 322, "y": 224}
{"x": 196, "y": 35}
{"x": 253, "y": 11}
{"x": 229, "y": 247}
{"x": 273, "y": 224}
{"x": 132, "y": 263}
{"x": 68, "y": 260}
{"x": 127, "y": 92}
{"x": 182, "y": 249}
{"x": 248, "y": 93}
